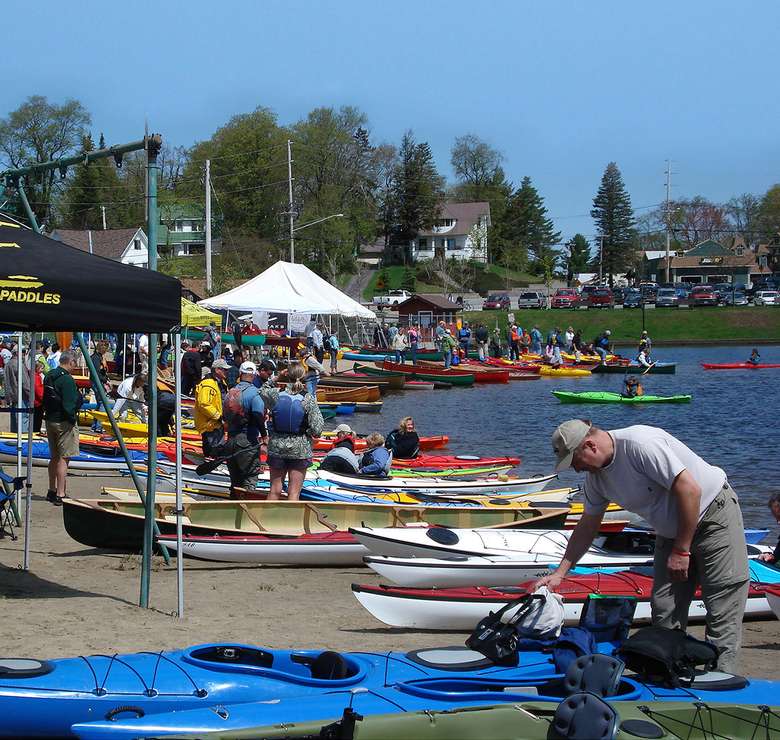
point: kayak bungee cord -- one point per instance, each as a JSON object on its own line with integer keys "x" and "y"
{"x": 761, "y": 723}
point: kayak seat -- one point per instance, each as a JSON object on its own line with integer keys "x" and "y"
{"x": 236, "y": 654}
{"x": 594, "y": 674}
{"x": 584, "y": 716}
{"x": 327, "y": 666}
{"x": 453, "y": 658}
{"x": 717, "y": 681}
{"x": 24, "y": 668}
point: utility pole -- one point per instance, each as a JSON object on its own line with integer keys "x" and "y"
{"x": 290, "y": 206}
{"x": 208, "y": 226}
{"x": 103, "y": 209}
{"x": 668, "y": 217}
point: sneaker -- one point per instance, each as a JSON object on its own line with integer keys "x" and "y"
{"x": 58, "y": 500}
{"x": 51, "y": 496}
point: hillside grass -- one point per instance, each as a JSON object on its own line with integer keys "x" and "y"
{"x": 706, "y": 324}
{"x": 396, "y": 276}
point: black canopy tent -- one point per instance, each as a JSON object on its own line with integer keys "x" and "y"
{"x": 49, "y": 286}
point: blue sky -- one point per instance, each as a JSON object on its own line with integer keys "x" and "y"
{"x": 560, "y": 88}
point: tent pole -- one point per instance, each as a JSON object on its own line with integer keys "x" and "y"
{"x": 124, "y": 356}
{"x": 179, "y": 510}
{"x": 115, "y": 430}
{"x": 18, "y": 401}
{"x": 28, "y": 480}
{"x": 27, "y": 209}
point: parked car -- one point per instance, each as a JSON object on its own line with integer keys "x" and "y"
{"x": 632, "y": 298}
{"x": 767, "y": 298}
{"x": 703, "y": 295}
{"x": 498, "y": 301}
{"x": 392, "y": 298}
{"x": 565, "y": 298}
{"x": 531, "y": 300}
{"x": 762, "y": 283}
{"x": 649, "y": 292}
{"x": 666, "y": 298}
{"x": 601, "y": 298}
{"x": 618, "y": 294}
{"x": 735, "y": 298}
{"x": 722, "y": 289}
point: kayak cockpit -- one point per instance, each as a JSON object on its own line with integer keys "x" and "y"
{"x": 304, "y": 667}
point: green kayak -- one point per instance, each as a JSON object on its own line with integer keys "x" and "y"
{"x": 606, "y": 397}
{"x": 534, "y": 721}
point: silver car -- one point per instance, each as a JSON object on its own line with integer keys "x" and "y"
{"x": 531, "y": 300}
{"x": 766, "y": 298}
{"x": 666, "y": 298}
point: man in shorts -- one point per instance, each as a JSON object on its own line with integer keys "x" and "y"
{"x": 61, "y": 402}
{"x": 700, "y": 537}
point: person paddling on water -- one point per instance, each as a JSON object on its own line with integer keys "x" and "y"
{"x": 755, "y": 357}
{"x": 643, "y": 358}
{"x": 633, "y": 388}
{"x": 700, "y": 537}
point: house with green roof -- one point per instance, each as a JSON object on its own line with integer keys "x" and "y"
{"x": 182, "y": 231}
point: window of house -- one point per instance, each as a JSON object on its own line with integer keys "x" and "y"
{"x": 422, "y": 244}
{"x": 136, "y": 243}
{"x": 449, "y": 243}
{"x": 762, "y": 261}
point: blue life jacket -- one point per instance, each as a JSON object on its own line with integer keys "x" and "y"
{"x": 289, "y": 416}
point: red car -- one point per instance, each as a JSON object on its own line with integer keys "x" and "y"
{"x": 565, "y": 298}
{"x": 497, "y": 301}
{"x": 601, "y": 298}
{"x": 703, "y": 295}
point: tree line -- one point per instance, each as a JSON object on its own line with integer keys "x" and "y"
{"x": 385, "y": 191}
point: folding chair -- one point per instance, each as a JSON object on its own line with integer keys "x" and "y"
{"x": 9, "y": 517}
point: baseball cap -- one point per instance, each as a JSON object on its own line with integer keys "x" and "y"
{"x": 247, "y": 367}
{"x": 567, "y": 438}
{"x": 607, "y": 332}
{"x": 344, "y": 428}
{"x": 220, "y": 363}
{"x": 205, "y": 344}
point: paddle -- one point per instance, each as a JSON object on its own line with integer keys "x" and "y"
{"x": 211, "y": 465}
{"x": 648, "y": 368}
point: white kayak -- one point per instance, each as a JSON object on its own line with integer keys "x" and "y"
{"x": 329, "y": 548}
{"x": 461, "y": 609}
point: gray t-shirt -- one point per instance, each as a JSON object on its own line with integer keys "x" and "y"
{"x": 641, "y": 474}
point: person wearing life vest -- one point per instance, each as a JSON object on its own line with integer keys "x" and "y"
{"x": 633, "y": 387}
{"x": 342, "y": 458}
{"x": 376, "y": 460}
{"x": 404, "y": 441}
{"x": 464, "y": 337}
{"x": 208, "y": 408}
{"x": 755, "y": 357}
{"x": 313, "y": 370}
{"x": 601, "y": 345}
{"x": 643, "y": 358}
{"x": 295, "y": 419}
{"x": 514, "y": 342}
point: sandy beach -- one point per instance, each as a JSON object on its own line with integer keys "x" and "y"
{"x": 76, "y": 600}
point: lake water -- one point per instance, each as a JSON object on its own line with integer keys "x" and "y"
{"x": 732, "y": 420}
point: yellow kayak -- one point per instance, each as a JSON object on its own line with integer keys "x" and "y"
{"x": 570, "y": 372}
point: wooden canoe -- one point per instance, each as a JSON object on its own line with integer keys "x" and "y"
{"x": 423, "y": 372}
{"x": 347, "y": 394}
{"x": 119, "y": 524}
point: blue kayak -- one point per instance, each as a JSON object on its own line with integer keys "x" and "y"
{"x": 84, "y": 461}
{"x": 142, "y": 694}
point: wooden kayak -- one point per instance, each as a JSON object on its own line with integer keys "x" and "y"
{"x": 352, "y": 380}
{"x": 360, "y": 393}
{"x": 454, "y": 377}
{"x": 119, "y": 524}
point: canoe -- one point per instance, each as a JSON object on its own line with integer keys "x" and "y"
{"x": 482, "y": 374}
{"x": 433, "y": 442}
{"x": 528, "y": 720}
{"x": 361, "y": 393}
{"x": 119, "y": 524}
{"x": 422, "y": 354}
{"x": 606, "y": 397}
{"x": 409, "y": 383}
{"x": 659, "y": 368}
{"x": 739, "y": 365}
{"x": 351, "y": 378}
{"x": 232, "y": 688}
{"x": 460, "y": 609}
{"x": 454, "y": 377}
{"x": 86, "y": 460}
{"x": 247, "y": 340}
{"x": 563, "y": 372}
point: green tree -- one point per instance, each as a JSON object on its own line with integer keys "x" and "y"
{"x": 578, "y": 256}
{"x": 39, "y": 131}
{"x": 769, "y": 213}
{"x": 417, "y": 192}
{"x": 614, "y": 219}
{"x": 382, "y": 280}
{"x": 528, "y": 228}
{"x": 409, "y": 282}
{"x": 475, "y": 164}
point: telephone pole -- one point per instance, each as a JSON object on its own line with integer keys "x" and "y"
{"x": 290, "y": 213}
{"x": 208, "y": 226}
{"x": 103, "y": 208}
{"x": 668, "y": 217}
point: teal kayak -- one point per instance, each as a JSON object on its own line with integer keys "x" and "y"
{"x": 606, "y": 397}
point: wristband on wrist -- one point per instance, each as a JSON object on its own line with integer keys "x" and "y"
{"x": 678, "y": 551}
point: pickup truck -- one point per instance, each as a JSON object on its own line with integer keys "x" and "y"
{"x": 392, "y": 298}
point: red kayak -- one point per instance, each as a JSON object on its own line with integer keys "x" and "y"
{"x": 426, "y": 443}
{"x": 738, "y": 365}
{"x": 436, "y": 462}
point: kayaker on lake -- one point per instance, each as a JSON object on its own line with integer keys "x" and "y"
{"x": 633, "y": 387}
{"x": 404, "y": 442}
{"x": 645, "y": 343}
{"x": 700, "y": 537}
{"x": 643, "y": 358}
{"x": 755, "y": 357}
{"x": 601, "y": 345}
{"x": 774, "y": 507}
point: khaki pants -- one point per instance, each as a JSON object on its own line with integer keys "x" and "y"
{"x": 719, "y": 565}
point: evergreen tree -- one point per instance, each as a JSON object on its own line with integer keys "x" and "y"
{"x": 409, "y": 281}
{"x": 578, "y": 256}
{"x": 528, "y": 227}
{"x": 614, "y": 218}
{"x": 418, "y": 192}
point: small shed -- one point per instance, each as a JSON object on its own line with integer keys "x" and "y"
{"x": 426, "y": 310}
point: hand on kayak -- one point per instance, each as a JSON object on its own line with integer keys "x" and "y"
{"x": 766, "y": 557}
{"x": 677, "y": 565}
{"x": 552, "y": 582}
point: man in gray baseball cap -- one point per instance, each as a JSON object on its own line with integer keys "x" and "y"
{"x": 700, "y": 538}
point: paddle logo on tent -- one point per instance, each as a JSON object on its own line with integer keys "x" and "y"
{"x": 25, "y": 289}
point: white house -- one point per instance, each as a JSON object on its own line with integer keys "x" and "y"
{"x": 128, "y": 246}
{"x": 460, "y": 232}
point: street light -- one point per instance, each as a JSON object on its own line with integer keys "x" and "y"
{"x": 304, "y": 226}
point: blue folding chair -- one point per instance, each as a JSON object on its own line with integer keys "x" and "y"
{"x": 8, "y": 513}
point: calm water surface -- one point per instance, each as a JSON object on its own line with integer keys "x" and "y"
{"x": 731, "y": 422}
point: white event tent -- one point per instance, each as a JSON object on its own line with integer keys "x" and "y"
{"x": 288, "y": 288}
